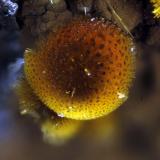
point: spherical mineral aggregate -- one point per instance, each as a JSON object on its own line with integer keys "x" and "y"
{"x": 83, "y": 71}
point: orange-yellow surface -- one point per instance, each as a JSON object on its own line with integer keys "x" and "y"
{"x": 83, "y": 71}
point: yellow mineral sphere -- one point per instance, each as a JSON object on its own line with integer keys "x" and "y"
{"x": 59, "y": 130}
{"x": 84, "y": 70}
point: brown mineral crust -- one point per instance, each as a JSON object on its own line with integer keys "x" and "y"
{"x": 42, "y": 17}
{"x": 129, "y": 11}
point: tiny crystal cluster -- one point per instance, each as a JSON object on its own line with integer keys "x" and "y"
{"x": 156, "y": 11}
{"x": 10, "y": 6}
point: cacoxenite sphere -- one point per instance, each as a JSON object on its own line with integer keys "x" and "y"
{"x": 84, "y": 70}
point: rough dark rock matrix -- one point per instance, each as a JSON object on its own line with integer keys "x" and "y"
{"x": 10, "y": 47}
{"x": 44, "y": 16}
{"x": 129, "y": 11}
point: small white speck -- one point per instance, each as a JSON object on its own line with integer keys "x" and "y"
{"x": 85, "y": 10}
{"x": 73, "y": 92}
{"x": 24, "y": 111}
{"x": 68, "y": 92}
{"x": 51, "y": 1}
{"x": 60, "y": 115}
{"x": 70, "y": 108}
{"x": 102, "y": 19}
{"x": 54, "y": 1}
{"x": 27, "y": 50}
{"x": 92, "y": 19}
{"x": 88, "y": 73}
{"x": 133, "y": 50}
{"x": 44, "y": 72}
{"x": 121, "y": 95}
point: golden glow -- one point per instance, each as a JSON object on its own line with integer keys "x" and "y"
{"x": 59, "y": 130}
{"x": 84, "y": 71}
{"x": 102, "y": 129}
{"x": 156, "y": 11}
